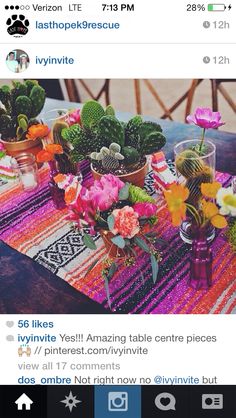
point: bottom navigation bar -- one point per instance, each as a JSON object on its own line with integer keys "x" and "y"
{"x": 118, "y": 401}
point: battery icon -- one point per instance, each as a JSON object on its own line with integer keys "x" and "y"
{"x": 216, "y": 7}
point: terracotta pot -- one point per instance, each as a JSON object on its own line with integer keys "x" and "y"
{"x": 17, "y": 147}
{"x": 136, "y": 177}
{"x": 111, "y": 248}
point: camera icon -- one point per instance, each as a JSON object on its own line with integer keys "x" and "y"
{"x": 117, "y": 401}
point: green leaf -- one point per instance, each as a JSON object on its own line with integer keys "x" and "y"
{"x": 111, "y": 222}
{"x": 91, "y": 266}
{"x": 127, "y": 242}
{"x": 119, "y": 241}
{"x": 124, "y": 192}
{"x": 132, "y": 251}
{"x": 155, "y": 268}
{"x": 88, "y": 242}
{"x": 112, "y": 270}
{"x": 107, "y": 291}
{"x": 141, "y": 244}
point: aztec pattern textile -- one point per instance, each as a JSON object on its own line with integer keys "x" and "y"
{"x": 30, "y": 224}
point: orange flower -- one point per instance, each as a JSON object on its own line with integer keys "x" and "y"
{"x": 175, "y": 198}
{"x": 54, "y": 148}
{"x": 44, "y": 156}
{"x": 70, "y": 195}
{"x": 37, "y": 131}
{"x": 60, "y": 178}
{"x": 210, "y": 189}
{"x": 211, "y": 212}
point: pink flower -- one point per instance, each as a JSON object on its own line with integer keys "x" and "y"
{"x": 145, "y": 209}
{"x": 2, "y": 147}
{"x": 126, "y": 222}
{"x": 105, "y": 192}
{"x": 74, "y": 117}
{"x": 205, "y": 118}
{"x": 82, "y": 210}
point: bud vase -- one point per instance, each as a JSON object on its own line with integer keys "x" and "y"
{"x": 56, "y": 193}
{"x": 200, "y": 262}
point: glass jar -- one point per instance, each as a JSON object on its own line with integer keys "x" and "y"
{"x": 192, "y": 170}
{"x": 27, "y": 170}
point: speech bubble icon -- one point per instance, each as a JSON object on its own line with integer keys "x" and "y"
{"x": 10, "y": 338}
{"x": 10, "y": 324}
{"x": 165, "y": 401}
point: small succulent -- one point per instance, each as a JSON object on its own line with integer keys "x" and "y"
{"x": 20, "y": 105}
{"x": 99, "y": 129}
{"x": 110, "y": 157}
{"x": 188, "y": 163}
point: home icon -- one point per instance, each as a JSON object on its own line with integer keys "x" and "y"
{"x": 23, "y": 403}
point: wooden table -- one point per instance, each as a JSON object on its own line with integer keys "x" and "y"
{"x": 28, "y": 287}
{"x": 175, "y": 132}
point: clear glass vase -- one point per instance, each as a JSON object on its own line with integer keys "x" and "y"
{"x": 27, "y": 171}
{"x": 193, "y": 169}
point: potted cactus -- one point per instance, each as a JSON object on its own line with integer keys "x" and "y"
{"x": 114, "y": 146}
{"x": 19, "y": 107}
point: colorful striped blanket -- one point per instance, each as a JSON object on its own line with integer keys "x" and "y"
{"x": 30, "y": 224}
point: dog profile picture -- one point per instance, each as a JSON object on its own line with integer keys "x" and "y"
{"x": 17, "y": 25}
{"x": 17, "y": 61}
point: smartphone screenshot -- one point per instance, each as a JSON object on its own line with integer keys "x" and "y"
{"x": 117, "y": 209}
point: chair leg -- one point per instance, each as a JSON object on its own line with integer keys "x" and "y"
{"x": 190, "y": 96}
{"x": 214, "y": 95}
{"x": 72, "y": 91}
{"x": 137, "y": 96}
{"x": 227, "y": 97}
{"x": 158, "y": 99}
{"x": 107, "y": 91}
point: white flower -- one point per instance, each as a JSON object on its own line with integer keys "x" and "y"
{"x": 226, "y": 199}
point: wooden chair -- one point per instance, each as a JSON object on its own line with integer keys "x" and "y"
{"x": 73, "y": 90}
{"x": 216, "y": 86}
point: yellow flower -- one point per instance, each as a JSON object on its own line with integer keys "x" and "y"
{"x": 210, "y": 189}
{"x": 211, "y": 212}
{"x": 175, "y": 198}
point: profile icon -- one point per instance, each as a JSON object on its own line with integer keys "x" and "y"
{"x": 17, "y": 25}
{"x": 17, "y": 61}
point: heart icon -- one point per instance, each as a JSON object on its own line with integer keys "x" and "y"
{"x": 165, "y": 401}
{"x": 9, "y": 324}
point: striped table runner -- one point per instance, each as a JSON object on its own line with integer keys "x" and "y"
{"x": 30, "y": 224}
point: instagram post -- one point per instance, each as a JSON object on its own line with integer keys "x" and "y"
{"x": 117, "y": 210}
{"x": 115, "y": 219}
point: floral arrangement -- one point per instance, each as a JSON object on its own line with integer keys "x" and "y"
{"x": 195, "y": 160}
{"x": 205, "y": 118}
{"x": 113, "y": 146}
{"x": 121, "y": 212}
{"x": 216, "y": 202}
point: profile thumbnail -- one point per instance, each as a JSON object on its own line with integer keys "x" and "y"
{"x": 17, "y": 61}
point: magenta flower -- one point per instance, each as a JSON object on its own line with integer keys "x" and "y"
{"x": 73, "y": 117}
{"x": 1, "y": 147}
{"x": 105, "y": 192}
{"x": 145, "y": 209}
{"x": 205, "y": 118}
